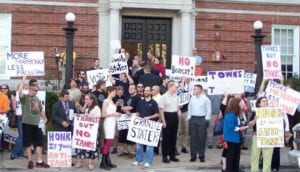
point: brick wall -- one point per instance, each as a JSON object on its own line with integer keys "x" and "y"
{"x": 235, "y": 41}
{"x": 39, "y": 28}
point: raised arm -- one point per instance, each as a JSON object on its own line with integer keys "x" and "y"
{"x": 21, "y": 86}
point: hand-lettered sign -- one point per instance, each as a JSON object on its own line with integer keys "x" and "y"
{"x": 146, "y": 132}
{"x": 93, "y": 76}
{"x": 231, "y": 81}
{"x": 183, "y": 66}
{"x": 123, "y": 122}
{"x": 249, "y": 82}
{"x": 84, "y": 134}
{"x": 59, "y": 149}
{"x": 281, "y": 96}
{"x": 118, "y": 64}
{"x": 271, "y": 61}
{"x": 25, "y": 63}
{"x": 269, "y": 127}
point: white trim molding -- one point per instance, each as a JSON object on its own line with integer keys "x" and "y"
{"x": 50, "y": 3}
{"x": 268, "y": 2}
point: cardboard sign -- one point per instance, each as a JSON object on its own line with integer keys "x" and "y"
{"x": 59, "y": 149}
{"x": 115, "y": 44}
{"x": 183, "y": 98}
{"x": 118, "y": 64}
{"x": 25, "y": 63}
{"x": 200, "y": 80}
{"x": 85, "y": 131}
{"x": 281, "y": 96}
{"x": 231, "y": 81}
{"x": 146, "y": 132}
{"x": 183, "y": 66}
{"x": 123, "y": 122}
{"x": 249, "y": 82}
{"x": 10, "y": 134}
{"x": 269, "y": 127}
{"x": 93, "y": 76}
{"x": 271, "y": 61}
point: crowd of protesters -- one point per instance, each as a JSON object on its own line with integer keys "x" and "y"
{"x": 147, "y": 92}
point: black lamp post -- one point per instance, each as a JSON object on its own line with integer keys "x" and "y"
{"x": 70, "y": 31}
{"x": 258, "y": 37}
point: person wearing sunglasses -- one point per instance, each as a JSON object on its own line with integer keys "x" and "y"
{"x": 32, "y": 112}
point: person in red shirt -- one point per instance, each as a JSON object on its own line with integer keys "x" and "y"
{"x": 159, "y": 67}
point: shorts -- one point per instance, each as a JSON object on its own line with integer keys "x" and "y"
{"x": 32, "y": 134}
{"x": 123, "y": 137}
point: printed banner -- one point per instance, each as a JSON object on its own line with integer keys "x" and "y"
{"x": 59, "y": 149}
{"x": 146, "y": 132}
{"x": 249, "y": 82}
{"x": 118, "y": 64}
{"x": 281, "y": 96}
{"x": 93, "y": 76}
{"x": 123, "y": 122}
{"x": 231, "y": 81}
{"x": 271, "y": 61}
{"x": 183, "y": 98}
{"x": 269, "y": 125}
{"x": 10, "y": 134}
{"x": 25, "y": 63}
{"x": 182, "y": 66}
{"x": 85, "y": 131}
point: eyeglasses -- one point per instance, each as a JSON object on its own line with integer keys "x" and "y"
{"x": 4, "y": 88}
{"x": 140, "y": 86}
{"x": 83, "y": 74}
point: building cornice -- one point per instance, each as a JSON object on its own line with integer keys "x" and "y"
{"x": 50, "y": 3}
{"x": 230, "y": 11}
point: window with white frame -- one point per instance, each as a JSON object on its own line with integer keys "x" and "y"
{"x": 5, "y": 42}
{"x": 287, "y": 37}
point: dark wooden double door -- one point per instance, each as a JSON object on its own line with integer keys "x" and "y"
{"x": 142, "y": 34}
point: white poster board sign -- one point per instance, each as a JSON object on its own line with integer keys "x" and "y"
{"x": 231, "y": 81}
{"x": 123, "y": 122}
{"x": 271, "y": 61}
{"x": 249, "y": 82}
{"x": 10, "y": 134}
{"x": 200, "y": 80}
{"x": 146, "y": 132}
{"x": 85, "y": 131}
{"x": 118, "y": 65}
{"x": 269, "y": 127}
{"x": 281, "y": 96}
{"x": 93, "y": 76}
{"x": 59, "y": 152}
{"x": 25, "y": 63}
{"x": 182, "y": 66}
{"x": 183, "y": 98}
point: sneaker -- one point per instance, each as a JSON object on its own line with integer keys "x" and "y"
{"x": 30, "y": 165}
{"x": 42, "y": 165}
{"x": 135, "y": 163}
{"x": 114, "y": 151}
{"x": 146, "y": 165}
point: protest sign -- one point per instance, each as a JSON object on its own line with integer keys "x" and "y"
{"x": 115, "y": 44}
{"x": 271, "y": 61}
{"x": 123, "y": 121}
{"x": 85, "y": 131}
{"x": 281, "y": 96}
{"x": 93, "y": 76}
{"x": 10, "y": 134}
{"x": 182, "y": 66}
{"x": 200, "y": 80}
{"x": 249, "y": 82}
{"x": 59, "y": 149}
{"x": 231, "y": 81}
{"x": 25, "y": 63}
{"x": 183, "y": 98}
{"x": 118, "y": 64}
{"x": 146, "y": 132}
{"x": 269, "y": 127}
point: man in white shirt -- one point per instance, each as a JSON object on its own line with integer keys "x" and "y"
{"x": 199, "y": 115}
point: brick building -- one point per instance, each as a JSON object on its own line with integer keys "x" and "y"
{"x": 165, "y": 26}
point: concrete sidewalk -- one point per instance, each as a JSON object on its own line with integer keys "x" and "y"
{"x": 213, "y": 158}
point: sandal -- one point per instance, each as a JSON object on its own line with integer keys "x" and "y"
{"x": 91, "y": 167}
{"x": 78, "y": 165}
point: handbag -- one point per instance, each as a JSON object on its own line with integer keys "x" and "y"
{"x": 12, "y": 120}
{"x": 218, "y": 129}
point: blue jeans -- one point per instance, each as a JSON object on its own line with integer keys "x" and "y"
{"x": 140, "y": 153}
{"x": 18, "y": 149}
